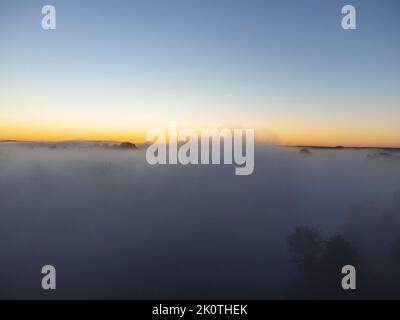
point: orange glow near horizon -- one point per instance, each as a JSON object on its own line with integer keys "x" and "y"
{"x": 278, "y": 137}
{"x": 61, "y": 134}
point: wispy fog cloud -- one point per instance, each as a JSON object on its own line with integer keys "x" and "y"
{"x": 116, "y": 227}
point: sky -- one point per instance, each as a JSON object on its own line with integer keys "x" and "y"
{"x": 114, "y": 69}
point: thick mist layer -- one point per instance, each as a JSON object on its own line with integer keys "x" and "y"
{"x": 116, "y": 227}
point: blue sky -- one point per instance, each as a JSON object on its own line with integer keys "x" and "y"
{"x": 121, "y": 67}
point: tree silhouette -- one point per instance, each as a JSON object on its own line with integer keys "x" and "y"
{"x": 319, "y": 263}
{"x": 337, "y": 253}
{"x": 305, "y": 246}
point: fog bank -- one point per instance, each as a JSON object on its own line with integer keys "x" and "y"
{"x": 116, "y": 227}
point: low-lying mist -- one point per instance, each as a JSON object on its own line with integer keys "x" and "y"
{"x": 116, "y": 227}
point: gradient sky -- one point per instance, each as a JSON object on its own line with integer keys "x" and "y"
{"x": 114, "y": 69}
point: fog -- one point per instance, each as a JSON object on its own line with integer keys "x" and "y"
{"x": 116, "y": 227}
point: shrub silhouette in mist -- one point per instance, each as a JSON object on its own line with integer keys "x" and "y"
{"x": 319, "y": 263}
{"x": 305, "y": 246}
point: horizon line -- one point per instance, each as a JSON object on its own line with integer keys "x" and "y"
{"x": 308, "y": 146}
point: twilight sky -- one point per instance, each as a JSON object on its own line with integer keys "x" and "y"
{"x": 114, "y": 69}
